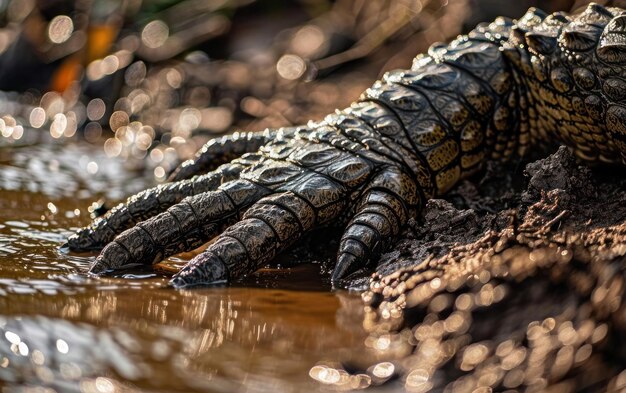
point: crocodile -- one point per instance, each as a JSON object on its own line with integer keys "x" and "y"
{"x": 506, "y": 87}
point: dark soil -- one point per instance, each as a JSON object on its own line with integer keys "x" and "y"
{"x": 511, "y": 286}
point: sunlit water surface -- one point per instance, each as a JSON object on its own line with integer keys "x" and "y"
{"x": 63, "y": 330}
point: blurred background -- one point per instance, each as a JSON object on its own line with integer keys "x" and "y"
{"x": 151, "y": 80}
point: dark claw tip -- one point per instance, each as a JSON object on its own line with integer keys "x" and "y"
{"x": 346, "y": 265}
{"x": 178, "y": 282}
{"x": 97, "y": 269}
{"x": 204, "y": 270}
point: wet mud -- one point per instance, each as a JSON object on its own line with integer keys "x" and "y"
{"x": 515, "y": 281}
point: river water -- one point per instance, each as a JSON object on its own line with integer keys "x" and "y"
{"x": 63, "y": 330}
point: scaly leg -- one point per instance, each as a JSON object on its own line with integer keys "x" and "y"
{"x": 218, "y": 151}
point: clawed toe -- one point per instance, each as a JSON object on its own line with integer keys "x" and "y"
{"x": 206, "y": 269}
{"x": 381, "y": 213}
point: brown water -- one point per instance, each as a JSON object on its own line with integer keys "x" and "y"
{"x": 61, "y": 329}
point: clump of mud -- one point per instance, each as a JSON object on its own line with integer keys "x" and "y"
{"x": 510, "y": 288}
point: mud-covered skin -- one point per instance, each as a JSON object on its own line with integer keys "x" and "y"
{"x": 505, "y": 87}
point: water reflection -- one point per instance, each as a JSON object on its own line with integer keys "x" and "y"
{"x": 213, "y": 339}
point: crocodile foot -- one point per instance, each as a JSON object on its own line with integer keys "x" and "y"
{"x": 257, "y": 205}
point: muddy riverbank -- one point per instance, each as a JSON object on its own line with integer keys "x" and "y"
{"x": 511, "y": 284}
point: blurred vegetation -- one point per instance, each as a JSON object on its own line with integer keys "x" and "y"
{"x": 152, "y": 80}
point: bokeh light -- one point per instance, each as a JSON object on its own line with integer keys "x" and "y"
{"x": 308, "y": 41}
{"x": 155, "y": 33}
{"x": 37, "y": 117}
{"x": 60, "y": 29}
{"x": 118, "y": 119}
{"x": 291, "y": 67}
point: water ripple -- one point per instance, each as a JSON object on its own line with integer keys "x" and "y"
{"x": 63, "y": 329}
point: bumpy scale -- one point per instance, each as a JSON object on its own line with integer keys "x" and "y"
{"x": 507, "y": 86}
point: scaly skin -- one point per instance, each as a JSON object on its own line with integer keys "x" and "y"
{"x": 505, "y": 87}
